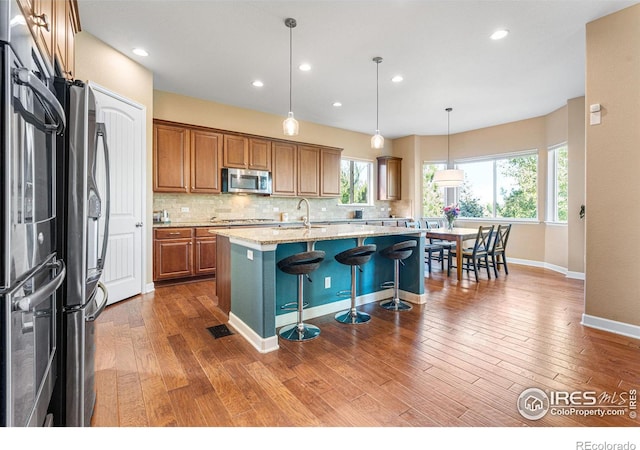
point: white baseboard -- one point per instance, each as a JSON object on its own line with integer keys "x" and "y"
{"x": 612, "y": 326}
{"x": 149, "y": 287}
{"x": 545, "y": 265}
{"x": 263, "y": 345}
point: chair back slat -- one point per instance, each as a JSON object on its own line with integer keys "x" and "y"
{"x": 412, "y": 224}
{"x": 483, "y": 238}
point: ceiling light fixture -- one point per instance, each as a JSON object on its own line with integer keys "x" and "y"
{"x": 257, "y": 83}
{"x": 304, "y": 67}
{"x": 397, "y": 79}
{"x": 449, "y": 177}
{"x": 337, "y": 104}
{"x": 140, "y": 51}
{"x": 377, "y": 141}
{"x": 290, "y": 125}
{"x": 499, "y": 34}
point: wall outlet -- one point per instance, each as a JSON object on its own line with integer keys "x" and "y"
{"x": 250, "y": 255}
{"x": 184, "y": 209}
{"x": 324, "y": 209}
{"x": 276, "y": 209}
{"x": 382, "y": 209}
{"x": 327, "y": 282}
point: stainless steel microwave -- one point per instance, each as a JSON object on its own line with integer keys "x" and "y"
{"x": 247, "y": 181}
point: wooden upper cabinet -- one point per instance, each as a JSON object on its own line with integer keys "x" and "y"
{"x": 43, "y": 19}
{"x": 308, "y": 171}
{"x": 330, "y": 172}
{"x": 236, "y": 151}
{"x": 389, "y": 178}
{"x": 66, "y": 27}
{"x": 53, "y": 24}
{"x": 259, "y": 154}
{"x": 206, "y": 161}
{"x": 284, "y": 166}
{"x": 171, "y": 156}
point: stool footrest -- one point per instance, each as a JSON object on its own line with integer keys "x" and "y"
{"x": 344, "y": 293}
{"x": 388, "y": 284}
{"x": 292, "y": 306}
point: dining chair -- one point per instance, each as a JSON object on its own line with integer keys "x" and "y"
{"x": 430, "y": 249}
{"x": 446, "y": 245}
{"x": 476, "y": 256}
{"x": 497, "y": 250}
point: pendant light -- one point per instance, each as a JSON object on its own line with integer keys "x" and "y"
{"x": 377, "y": 141}
{"x": 449, "y": 177}
{"x": 290, "y": 125}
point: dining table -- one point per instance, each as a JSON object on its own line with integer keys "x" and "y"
{"x": 457, "y": 235}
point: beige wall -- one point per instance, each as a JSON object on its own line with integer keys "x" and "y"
{"x": 97, "y": 62}
{"x": 577, "y": 152}
{"x": 612, "y": 162}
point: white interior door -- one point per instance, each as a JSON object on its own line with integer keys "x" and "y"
{"x": 124, "y": 122}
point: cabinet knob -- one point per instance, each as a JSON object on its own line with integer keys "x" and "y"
{"x": 42, "y": 21}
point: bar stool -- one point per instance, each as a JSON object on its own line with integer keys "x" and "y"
{"x": 397, "y": 252}
{"x": 354, "y": 257}
{"x": 300, "y": 264}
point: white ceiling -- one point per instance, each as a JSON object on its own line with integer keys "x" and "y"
{"x": 214, "y": 49}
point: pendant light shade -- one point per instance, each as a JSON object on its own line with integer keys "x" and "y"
{"x": 449, "y": 177}
{"x": 290, "y": 125}
{"x": 377, "y": 141}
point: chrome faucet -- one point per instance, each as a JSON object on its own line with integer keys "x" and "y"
{"x": 306, "y": 220}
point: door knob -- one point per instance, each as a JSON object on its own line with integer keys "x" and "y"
{"x": 139, "y": 225}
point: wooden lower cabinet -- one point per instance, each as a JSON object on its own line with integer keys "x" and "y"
{"x": 183, "y": 253}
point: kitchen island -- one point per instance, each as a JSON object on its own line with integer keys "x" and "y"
{"x": 256, "y": 290}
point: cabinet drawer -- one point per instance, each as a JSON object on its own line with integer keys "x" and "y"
{"x": 206, "y": 232}
{"x": 173, "y": 233}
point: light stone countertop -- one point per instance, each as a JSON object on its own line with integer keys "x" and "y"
{"x": 270, "y": 236}
{"x": 266, "y": 223}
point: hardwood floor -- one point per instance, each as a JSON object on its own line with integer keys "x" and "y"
{"x": 462, "y": 359}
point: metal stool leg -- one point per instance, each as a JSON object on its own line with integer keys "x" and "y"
{"x": 352, "y": 315}
{"x": 300, "y": 331}
{"x": 395, "y": 304}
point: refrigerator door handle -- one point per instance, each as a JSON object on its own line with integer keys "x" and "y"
{"x": 101, "y": 131}
{"x": 29, "y": 302}
{"x": 94, "y": 315}
{"x": 25, "y": 77}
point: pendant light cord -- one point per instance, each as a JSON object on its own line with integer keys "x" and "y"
{"x": 290, "y": 64}
{"x": 377, "y": 93}
{"x": 448, "y": 134}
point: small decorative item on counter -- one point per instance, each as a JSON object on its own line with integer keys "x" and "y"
{"x": 451, "y": 213}
{"x": 284, "y": 217}
{"x": 165, "y": 216}
{"x": 357, "y": 214}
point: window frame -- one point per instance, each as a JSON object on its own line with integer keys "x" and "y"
{"x": 494, "y": 158}
{"x": 370, "y": 182}
{"x": 552, "y": 183}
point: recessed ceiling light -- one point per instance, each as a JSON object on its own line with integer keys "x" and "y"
{"x": 305, "y": 67}
{"x": 257, "y": 83}
{"x": 140, "y": 52}
{"x": 499, "y": 34}
{"x": 337, "y": 104}
{"x": 397, "y": 79}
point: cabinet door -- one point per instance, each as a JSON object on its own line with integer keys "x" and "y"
{"x": 170, "y": 158}
{"x": 173, "y": 258}
{"x": 43, "y": 16}
{"x": 330, "y": 172}
{"x": 389, "y": 178}
{"x": 206, "y": 160}
{"x": 236, "y": 151}
{"x": 205, "y": 256}
{"x": 284, "y": 167}
{"x": 259, "y": 154}
{"x": 308, "y": 171}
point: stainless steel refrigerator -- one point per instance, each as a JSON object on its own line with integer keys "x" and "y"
{"x": 83, "y": 232}
{"x": 31, "y": 270}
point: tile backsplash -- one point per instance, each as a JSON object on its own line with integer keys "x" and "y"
{"x": 202, "y": 207}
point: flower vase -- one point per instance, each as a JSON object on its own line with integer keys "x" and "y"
{"x": 450, "y": 222}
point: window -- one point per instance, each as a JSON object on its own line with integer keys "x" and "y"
{"x": 558, "y": 180}
{"x": 433, "y": 197}
{"x": 355, "y": 182}
{"x": 500, "y": 187}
